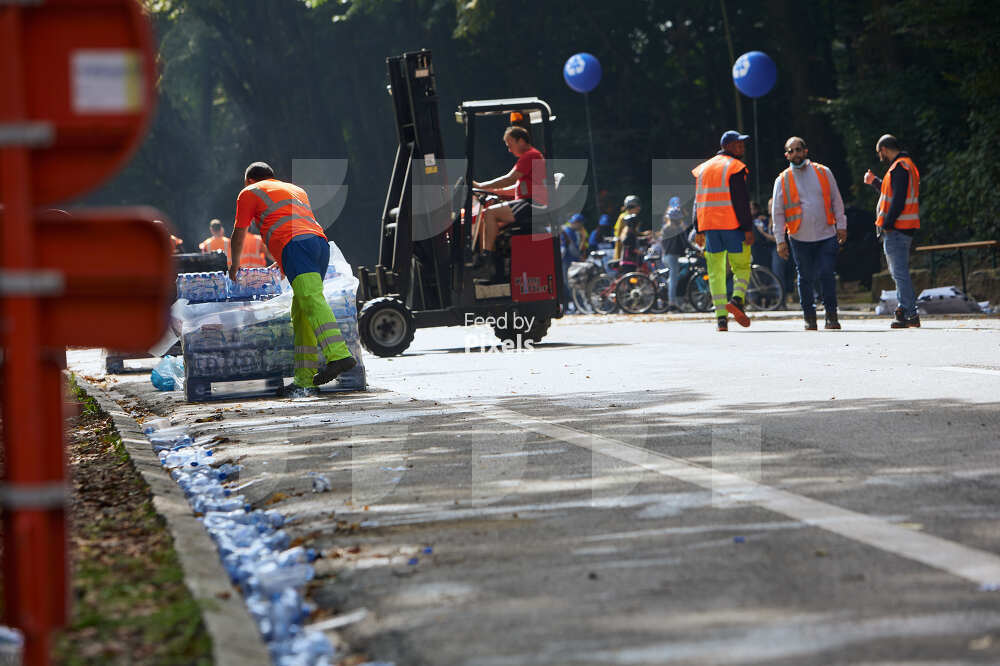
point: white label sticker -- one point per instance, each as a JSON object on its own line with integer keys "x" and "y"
{"x": 106, "y": 81}
{"x": 429, "y": 159}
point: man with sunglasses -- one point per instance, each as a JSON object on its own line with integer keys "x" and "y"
{"x": 807, "y": 203}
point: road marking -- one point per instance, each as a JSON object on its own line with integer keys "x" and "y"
{"x": 969, "y": 563}
{"x": 974, "y": 371}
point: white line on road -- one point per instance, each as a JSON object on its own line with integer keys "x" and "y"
{"x": 969, "y": 563}
{"x": 974, "y": 371}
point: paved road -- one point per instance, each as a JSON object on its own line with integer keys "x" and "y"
{"x": 636, "y": 491}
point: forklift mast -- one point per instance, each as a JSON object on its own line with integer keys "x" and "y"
{"x": 415, "y": 260}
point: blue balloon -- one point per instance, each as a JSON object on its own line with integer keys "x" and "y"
{"x": 582, "y": 72}
{"x": 754, "y": 74}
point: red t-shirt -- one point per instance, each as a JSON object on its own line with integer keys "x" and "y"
{"x": 531, "y": 184}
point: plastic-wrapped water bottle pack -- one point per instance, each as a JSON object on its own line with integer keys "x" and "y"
{"x": 251, "y": 284}
{"x": 203, "y": 287}
{"x": 255, "y": 284}
{"x": 254, "y": 549}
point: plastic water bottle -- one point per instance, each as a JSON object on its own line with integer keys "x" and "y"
{"x": 202, "y": 504}
{"x": 273, "y": 578}
{"x": 152, "y": 425}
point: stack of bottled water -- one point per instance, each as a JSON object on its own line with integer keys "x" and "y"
{"x": 254, "y": 549}
{"x": 203, "y": 287}
{"x": 255, "y": 284}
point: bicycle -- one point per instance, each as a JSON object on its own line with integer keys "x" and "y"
{"x": 634, "y": 292}
{"x": 764, "y": 290}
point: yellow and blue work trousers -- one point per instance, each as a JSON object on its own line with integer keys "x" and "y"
{"x": 719, "y": 246}
{"x": 318, "y": 338}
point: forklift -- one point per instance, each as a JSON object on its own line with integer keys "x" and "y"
{"x": 424, "y": 275}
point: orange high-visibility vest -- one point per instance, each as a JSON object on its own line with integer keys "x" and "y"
{"x": 712, "y": 199}
{"x": 216, "y": 244}
{"x": 282, "y": 212}
{"x": 910, "y": 217}
{"x": 253, "y": 252}
{"x": 793, "y": 205}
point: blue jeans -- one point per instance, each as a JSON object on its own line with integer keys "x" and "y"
{"x": 816, "y": 259}
{"x": 673, "y": 262}
{"x": 896, "y": 246}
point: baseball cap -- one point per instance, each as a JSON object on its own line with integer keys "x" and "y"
{"x": 576, "y": 218}
{"x": 604, "y": 221}
{"x": 732, "y": 135}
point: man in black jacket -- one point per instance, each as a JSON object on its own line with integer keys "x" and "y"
{"x": 898, "y": 218}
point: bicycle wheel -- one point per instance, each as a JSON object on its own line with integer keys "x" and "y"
{"x": 581, "y": 301}
{"x": 601, "y": 295}
{"x": 662, "y": 301}
{"x": 699, "y": 294}
{"x": 764, "y": 292}
{"x": 635, "y": 293}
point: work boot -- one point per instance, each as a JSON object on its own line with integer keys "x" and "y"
{"x": 721, "y": 324}
{"x": 831, "y": 322}
{"x": 295, "y": 391}
{"x": 332, "y": 369}
{"x": 735, "y": 307}
{"x": 810, "y": 321}
{"x": 484, "y": 266}
{"x": 900, "y": 320}
{"x": 913, "y": 322}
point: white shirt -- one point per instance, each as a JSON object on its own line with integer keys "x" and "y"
{"x": 814, "y": 226}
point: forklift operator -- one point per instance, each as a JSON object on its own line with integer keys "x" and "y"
{"x": 524, "y": 184}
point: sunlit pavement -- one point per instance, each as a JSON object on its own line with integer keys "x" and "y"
{"x": 645, "y": 491}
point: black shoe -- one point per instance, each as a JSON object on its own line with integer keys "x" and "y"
{"x": 810, "y": 321}
{"x": 484, "y": 266}
{"x": 295, "y": 391}
{"x": 832, "y": 323}
{"x": 735, "y": 307}
{"x": 721, "y": 324}
{"x": 900, "y": 320}
{"x": 332, "y": 369}
{"x": 913, "y": 322}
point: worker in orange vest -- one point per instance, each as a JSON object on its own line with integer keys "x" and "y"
{"x": 217, "y": 242}
{"x": 897, "y": 219}
{"x": 255, "y": 254}
{"x": 285, "y": 218}
{"x": 724, "y": 226}
{"x": 807, "y": 202}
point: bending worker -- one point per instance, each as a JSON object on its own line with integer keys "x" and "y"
{"x": 807, "y": 202}
{"x": 724, "y": 226}
{"x": 285, "y": 218}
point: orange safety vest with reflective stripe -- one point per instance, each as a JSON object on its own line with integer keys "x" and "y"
{"x": 792, "y": 203}
{"x": 712, "y": 199}
{"x": 253, "y": 252}
{"x": 910, "y": 217}
{"x": 282, "y": 212}
{"x": 216, "y": 244}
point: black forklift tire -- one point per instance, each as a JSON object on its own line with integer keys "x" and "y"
{"x": 385, "y": 326}
{"x": 539, "y": 327}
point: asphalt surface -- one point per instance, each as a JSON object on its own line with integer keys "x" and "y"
{"x": 644, "y": 491}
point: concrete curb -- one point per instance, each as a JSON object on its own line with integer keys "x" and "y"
{"x": 235, "y": 639}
